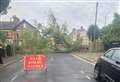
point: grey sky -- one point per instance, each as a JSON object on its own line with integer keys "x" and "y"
{"x": 74, "y": 12}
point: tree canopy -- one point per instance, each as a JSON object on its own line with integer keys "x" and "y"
{"x": 3, "y": 5}
{"x": 93, "y": 32}
{"x": 2, "y": 36}
{"x": 111, "y": 32}
{"x": 58, "y": 32}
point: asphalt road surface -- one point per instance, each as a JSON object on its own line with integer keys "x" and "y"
{"x": 60, "y": 68}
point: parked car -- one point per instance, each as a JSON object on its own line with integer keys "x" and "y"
{"x": 108, "y": 66}
{"x": 112, "y": 44}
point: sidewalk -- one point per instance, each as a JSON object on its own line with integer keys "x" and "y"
{"x": 9, "y": 60}
{"x": 90, "y": 57}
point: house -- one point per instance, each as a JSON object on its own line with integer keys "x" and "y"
{"x": 14, "y": 30}
{"x": 80, "y": 33}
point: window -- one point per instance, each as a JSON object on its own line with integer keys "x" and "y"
{"x": 109, "y": 54}
{"x": 116, "y": 55}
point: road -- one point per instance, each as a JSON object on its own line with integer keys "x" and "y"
{"x": 61, "y": 68}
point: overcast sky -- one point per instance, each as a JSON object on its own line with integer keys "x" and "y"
{"x": 74, "y": 12}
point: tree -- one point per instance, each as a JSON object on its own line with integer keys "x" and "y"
{"x": 116, "y": 19}
{"x": 2, "y": 36}
{"x": 66, "y": 36}
{"x": 93, "y": 32}
{"x": 64, "y": 28}
{"x": 77, "y": 45}
{"x": 57, "y": 32}
{"x": 30, "y": 40}
{"x": 111, "y": 32}
{"x": 53, "y": 30}
{"x": 3, "y": 5}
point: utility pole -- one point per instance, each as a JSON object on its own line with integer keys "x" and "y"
{"x": 96, "y": 13}
{"x": 105, "y": 20}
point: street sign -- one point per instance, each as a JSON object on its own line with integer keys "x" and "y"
{"x": 34, "y": 62}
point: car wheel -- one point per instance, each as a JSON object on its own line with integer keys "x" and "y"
{"x": 97, "y": 73}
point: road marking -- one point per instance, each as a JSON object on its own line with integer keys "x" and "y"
{"x": 88, "y": 77}
{"x": 14, "y": 78}
{"x": 75, "y": 76}
{"x": 21, "y": 60}
{"x": 83, "y": 60}
{"x": 51, "y": 59}
{"x": 82, "y": 72}
{"x": 15, "y": 75}
{"x": 22, "y": 71}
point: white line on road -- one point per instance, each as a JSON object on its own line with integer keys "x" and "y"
{"x": 15, "y": 75}
{"x": 82, "y": 72}
{"x": 21, "y": 60}
{"x": 52, "y": 59}
{"x": 83, "y": 59}
{"x": 22, "y": 71}
{"x": 13, "y": 78}
{"x": 88, "y": 77}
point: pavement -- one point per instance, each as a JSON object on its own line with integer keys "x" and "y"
{"x": 60, "y": 68}
{"x": 9, "y": 60}
{"x": 89, "y": 56}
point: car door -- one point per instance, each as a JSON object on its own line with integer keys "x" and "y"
{"x": 106, "y": 63}
{"x": 115, "y": 67}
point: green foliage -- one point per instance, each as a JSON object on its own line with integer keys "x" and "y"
{"x": 2, "y": 36}
{"x": 116, "y": 19}
{"x": 93, "y": 32}
{"x": 34, "y": 41}
{"x": 111, "y": 32}
{"x": 29, "y": 40}
{"x": 77, "y": 45}
{"x": 68, "y": 41}
{"x": 56, "y": 31}
{"x": 3, "y": 5}
{"x": 60, "y": 35}
{"x": 54, "y": 36}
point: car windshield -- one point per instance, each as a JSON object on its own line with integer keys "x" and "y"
{"x": 56, "y": 40}
{"x": 116, "y": 55}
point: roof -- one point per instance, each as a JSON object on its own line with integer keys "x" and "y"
{"x": 7, "y": 25}
{"x": 114, "y": 48}
{"x": 13, "y": 25}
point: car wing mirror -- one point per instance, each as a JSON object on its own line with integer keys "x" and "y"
{"x": 118, "y": 62}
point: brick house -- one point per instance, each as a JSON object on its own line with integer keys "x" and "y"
{"x": 14, "y": 30}
{"x": 80, "y": 33}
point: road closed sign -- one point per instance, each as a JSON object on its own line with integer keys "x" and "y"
{"x": 34, "y": 62}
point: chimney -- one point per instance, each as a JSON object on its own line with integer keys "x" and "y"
{"x": 82, "y": 28}
{"x": 15, "y": 19}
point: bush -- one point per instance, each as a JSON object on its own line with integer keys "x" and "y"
{"x": 40, "y": 51}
